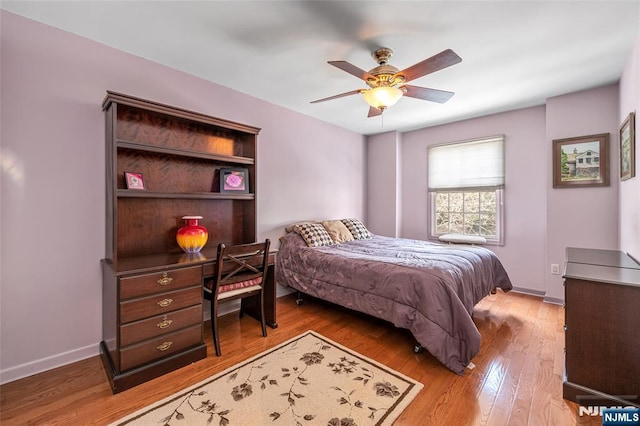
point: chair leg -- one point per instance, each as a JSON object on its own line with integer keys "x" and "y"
{"x": 262, "y": 320}
{"x": 214, "y": 326}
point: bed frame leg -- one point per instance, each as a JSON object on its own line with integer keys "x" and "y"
{"x": 299, "y": 298}
{"x": 417, "y": 348}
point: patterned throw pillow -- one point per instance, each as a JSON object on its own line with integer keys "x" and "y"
{"x": 314, "y": 234}
{"x": 357, "y": 229}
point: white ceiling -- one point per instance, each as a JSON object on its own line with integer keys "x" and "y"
{"x": 515, "y": 54}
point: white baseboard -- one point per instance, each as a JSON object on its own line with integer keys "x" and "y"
{"x": 38, "y": 366}
{"x": 538, "y": 293}
{"x": 554, "y": 300}
{"x": 49, "y": 363}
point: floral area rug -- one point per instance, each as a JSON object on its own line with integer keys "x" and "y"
{"x": 308, "y": 380}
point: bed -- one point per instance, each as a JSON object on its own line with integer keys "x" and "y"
{"x": 427, "y": 288}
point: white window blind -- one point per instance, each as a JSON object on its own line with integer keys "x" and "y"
{"x": 470, "y": 164}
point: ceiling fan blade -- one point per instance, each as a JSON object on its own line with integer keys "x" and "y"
{"x": 374, "y": 112}
{"x": 342, "y": 95}
{"x": 352, "y": 69}
{"x": 444, "y": 59}
{"x": 433, "y": 95}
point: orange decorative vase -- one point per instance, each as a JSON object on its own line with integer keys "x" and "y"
{"x": 192, "y": 237}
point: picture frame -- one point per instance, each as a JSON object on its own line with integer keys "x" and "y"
{"x": 235, "y": 179}
{"x": 628, "y": 147}
{"x": 134, "y": 180}
{"x": 581, "y": 161}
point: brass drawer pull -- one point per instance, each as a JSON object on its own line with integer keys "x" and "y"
{"x": 165, "y": 302}
{"x": 164, "y": 346}
{"x": 164, "y": 323}
{"x": 165, "y": 280}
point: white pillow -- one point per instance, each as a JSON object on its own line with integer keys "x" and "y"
{"x": 462, "y": 239}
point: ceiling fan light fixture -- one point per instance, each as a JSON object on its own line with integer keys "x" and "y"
{"x": 387, "y": 83}
{"x": 382, "y": 97}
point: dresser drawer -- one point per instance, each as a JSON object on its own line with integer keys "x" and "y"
{"x": 142, "y": 285}
{"x": 167, "y": 344}
{"x": 158, "y": 304}
{"x": 155, "y": 326}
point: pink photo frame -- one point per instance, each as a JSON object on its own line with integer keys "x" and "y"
{"x": 134, "y": 180}
{"x": 234, "y": 180}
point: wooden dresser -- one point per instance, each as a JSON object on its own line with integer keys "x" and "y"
{"x": 152, "y": 290}
{"x": 602, "y": 328}
{"x": 152, "y": 322}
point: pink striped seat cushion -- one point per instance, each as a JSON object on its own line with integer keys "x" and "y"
{"x": 208, "y": 285}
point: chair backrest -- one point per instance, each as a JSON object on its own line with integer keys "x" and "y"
{"x": 241, "y": 263}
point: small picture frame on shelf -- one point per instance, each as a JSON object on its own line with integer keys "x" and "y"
{"x": 234, "y": 180}
{"x": 134, "y": 180}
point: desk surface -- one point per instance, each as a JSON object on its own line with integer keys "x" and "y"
{"x": 605, "y": 274}
{"x": 614, "y": 258}
{"x": 160, "y": 262}
{"x": 608, "y": 266}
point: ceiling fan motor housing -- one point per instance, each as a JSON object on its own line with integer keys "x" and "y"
{"x": 382, "y": 55}
{"x": 385, "y": 74}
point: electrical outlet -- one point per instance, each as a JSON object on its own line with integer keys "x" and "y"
{"x": 555, "y": 269}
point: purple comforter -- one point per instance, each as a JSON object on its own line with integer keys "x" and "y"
{"x": 429, "y": 289}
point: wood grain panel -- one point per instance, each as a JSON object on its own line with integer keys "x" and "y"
{"x": 165, "y": 173}
{"x": 149, "y": 226}
{"x": 152, "y": 128}
{"x": 601, "y": 332}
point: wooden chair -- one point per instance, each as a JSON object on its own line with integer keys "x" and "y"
{"x": 240, "y": 271}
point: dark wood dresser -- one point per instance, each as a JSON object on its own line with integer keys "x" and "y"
{"x": 602, "y": 328}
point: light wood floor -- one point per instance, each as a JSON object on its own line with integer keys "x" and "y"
{"x": 517, "y": 379}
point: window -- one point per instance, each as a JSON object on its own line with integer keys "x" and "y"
{"x": 466, "y": 188}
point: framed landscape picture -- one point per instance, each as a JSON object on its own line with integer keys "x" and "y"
{"x": 628, "y": 147}
{"x": 581, "y": 161}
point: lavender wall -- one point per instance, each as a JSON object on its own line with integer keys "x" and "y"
{"x": 53, "y": 209}
{"x": 525, "y": 186}
{"x": 630, "y": 189}
{"x": 581, "y": 217}
{"x": 540, "y": 221}
{"x": 384, "y": 183}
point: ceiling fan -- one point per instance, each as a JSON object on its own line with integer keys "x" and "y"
{"x": 387, "y": 83}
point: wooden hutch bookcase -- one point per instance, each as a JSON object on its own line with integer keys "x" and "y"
{"x": 152, "y": 290}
